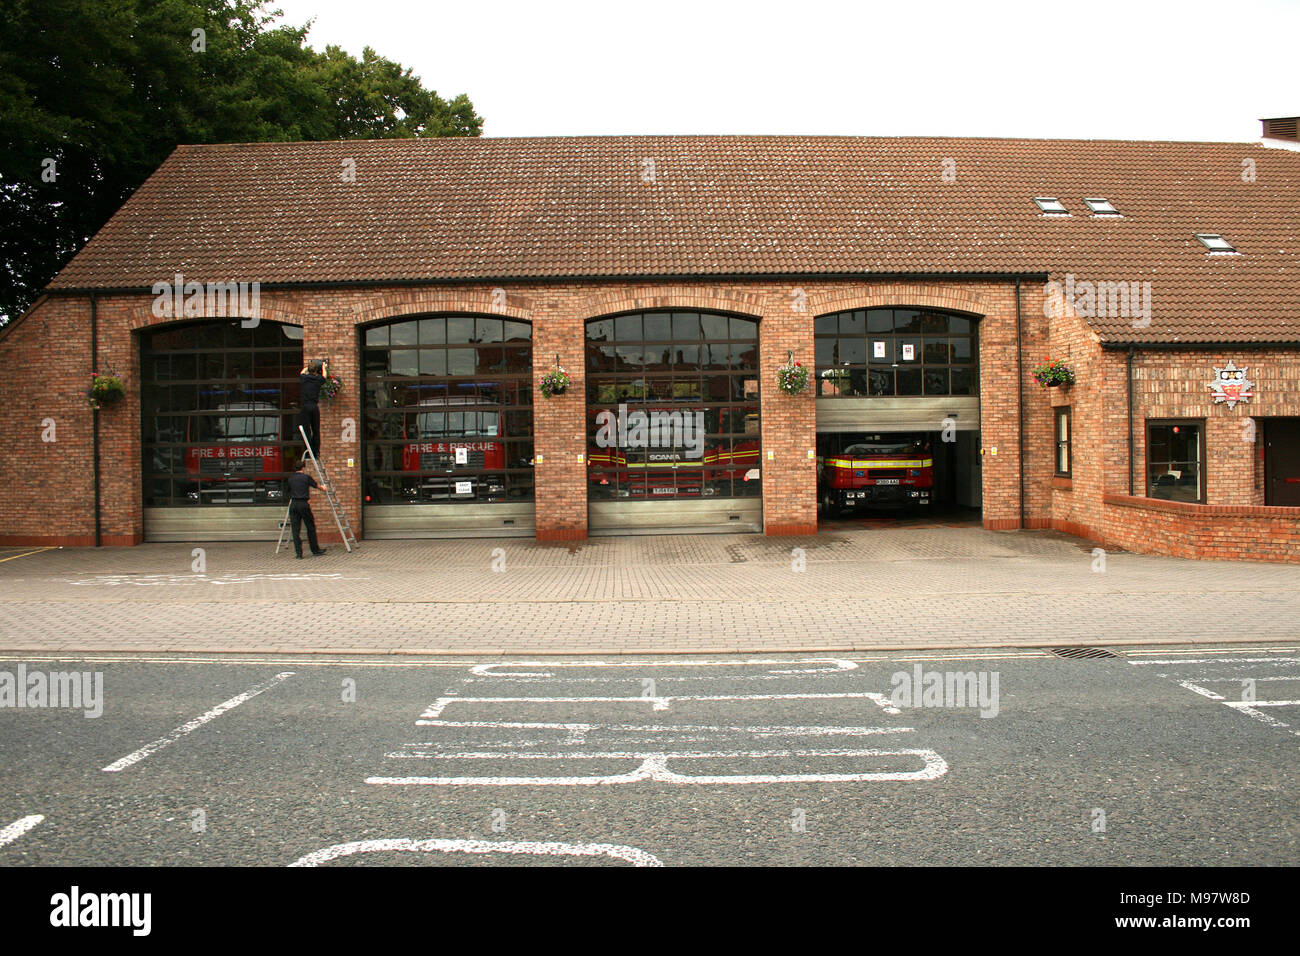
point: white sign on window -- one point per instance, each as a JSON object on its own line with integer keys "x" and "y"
{"x": 909, "y": 353}
{"x": 462, "y": 456}
{"x": 877, "y": 349}
{"x": 464, "y": 487}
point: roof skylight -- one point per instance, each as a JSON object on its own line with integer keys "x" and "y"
{"x": 1101, "y": 207}
{"x": 1215, "y": 243}
{"x": 1051, "y": 206}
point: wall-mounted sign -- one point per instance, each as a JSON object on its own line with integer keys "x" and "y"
{"x": 1231, "y": 385}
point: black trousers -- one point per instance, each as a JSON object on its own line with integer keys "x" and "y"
{"x": 299, "y": 515}
{"x": 309, "y": 419}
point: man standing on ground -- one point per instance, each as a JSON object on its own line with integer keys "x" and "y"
{"x": 300, "y": 486}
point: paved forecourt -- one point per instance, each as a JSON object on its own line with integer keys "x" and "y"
{"x": 850, "y": 588}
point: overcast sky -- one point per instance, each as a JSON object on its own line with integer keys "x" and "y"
{"x": 1102, "y": 69}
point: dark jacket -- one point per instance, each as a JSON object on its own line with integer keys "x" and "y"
{"x": 300, "y": 485}
{"x": 311, "y": 387}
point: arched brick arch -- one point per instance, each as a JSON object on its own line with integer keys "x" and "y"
{"x": 897, "y": 296}
{"x": 417, "y": 301}
{"x": 671, "y": 297}
{"x": 141, "y": 319}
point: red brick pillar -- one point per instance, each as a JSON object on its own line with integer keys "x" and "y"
{"x": 333, "y": 334}
{"x": 559, "y": 427}
{"x": 121, "y": 494}
{"x": 789, "y": 422}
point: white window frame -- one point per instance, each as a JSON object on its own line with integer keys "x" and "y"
{"x": 1043, "y": 203}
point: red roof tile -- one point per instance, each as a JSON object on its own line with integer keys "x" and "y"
{"x": 466, "y": 209}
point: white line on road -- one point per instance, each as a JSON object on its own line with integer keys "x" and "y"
{"x": 195, "y": 724}
{"x": 636, "y": 754}
{"x": 653, "y": 768}
{"x": 820, "y": 665}
{"x": 631, "y": 678}
{"x": 1220, "y": 660}
{"x": 1239, "y": 679}
{"x": 1262, "y": 703}
{"x": 577, "y": 732}
{"x": 1198, "y": 689}
{"x": 615, "y": 851}
{"x": 16, "y": 829}
{"x": 660, "y": 702}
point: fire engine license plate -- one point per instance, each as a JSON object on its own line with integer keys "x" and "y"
{"x": 662, "y": 491}
{"x": 886, "y": 481}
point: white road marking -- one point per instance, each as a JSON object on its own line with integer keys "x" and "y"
{"x": 1238, "y": 680}
{"x": 628, "y": 679}
{"x": 1198, "y": 689}
{"x": 1248, "y": 707}
{"x": 821, "y": 665}
{"x": 615, "y": 851}
{"x": 151, "y": 748}
{"x": 1262, "y": 703}
{"x": 653, "y": 767}
{"x": 661, "y": 702}
{"x": 638, "y": 754}
{"x": 1249, "y": 710}
{"x": 1220, "y": 660}
{"x": 577, "y": 732}
{"x": 16, "y": 829}
{"x": 1230, "y": 649}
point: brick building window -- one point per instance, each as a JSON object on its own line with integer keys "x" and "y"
{"x": 1176, "y": 460}
{"x": 1063, "y": 441}
{"x": 672, "y": 406}
{"x": 448, "y": 410}
{"x": 890, "y": 352}
{"x": 218, "y": 406}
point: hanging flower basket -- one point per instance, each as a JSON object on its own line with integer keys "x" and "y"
{"x": 331, "y": 387}
{"x": 104, "y": 390}
{"x": 1053, "y": 373}
{"x": 555, "y": 382}
{"x": 792, "y": 378}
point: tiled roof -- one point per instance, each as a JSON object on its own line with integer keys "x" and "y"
{"x": 727, "y": 205}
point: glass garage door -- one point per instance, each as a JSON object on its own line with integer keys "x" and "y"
{"x": 673, "y": 427}
{"x": 448, "y": 435}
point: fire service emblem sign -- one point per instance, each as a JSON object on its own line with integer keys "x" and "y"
{"x": 1231, "y": 385}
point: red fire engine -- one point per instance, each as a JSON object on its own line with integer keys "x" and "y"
{"x": 457, "y": 440}
{"x": 884, "y": 471}
{"x": 650, "y": 472}
{"x": 243, "y": 448}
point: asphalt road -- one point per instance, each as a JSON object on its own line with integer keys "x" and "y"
{"x": 779, "y": 761}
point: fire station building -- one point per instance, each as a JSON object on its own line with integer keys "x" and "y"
{"x": 921, "y": 283}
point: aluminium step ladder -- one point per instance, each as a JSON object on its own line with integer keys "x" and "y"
{"x": 327, "y": 487}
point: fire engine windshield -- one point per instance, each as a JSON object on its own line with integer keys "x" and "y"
{"x": 881, "y": 448}
{"x": 248, "y": 428}
{"x": 458, "y": 424}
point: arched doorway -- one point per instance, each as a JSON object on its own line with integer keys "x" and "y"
{"x": 898, "y": 412}
{"x": 447, "y": 429}
{"x": 673, "y": 427}
{"x": 217, "y": 409}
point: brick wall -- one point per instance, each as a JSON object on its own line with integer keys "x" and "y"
{"x": 47, "y": 354}
{"x": 46, "y": 487}
{"x": 1168, "y": 384}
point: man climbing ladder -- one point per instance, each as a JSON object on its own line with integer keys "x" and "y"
{"x": 295, "y": 514}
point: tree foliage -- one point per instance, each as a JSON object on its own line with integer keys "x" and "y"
{"x": 94, "y": 94}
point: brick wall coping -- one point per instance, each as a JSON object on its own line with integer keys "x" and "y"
{"x": 1201, "y": 511}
